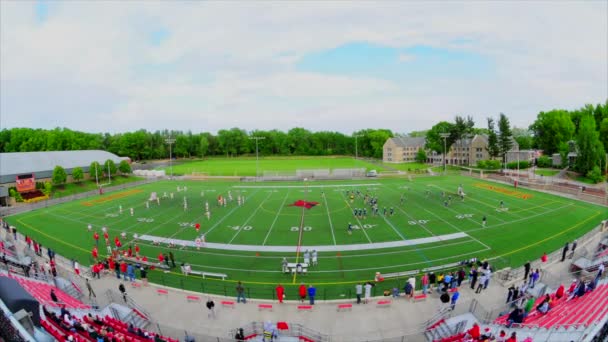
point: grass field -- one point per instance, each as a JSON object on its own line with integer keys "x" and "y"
{"x": 408, "y": 166}
{"x": 530, "y": 224}
{"x": 546, "y": 172}
{"x": 246, "y": 166}
{"x": 75, "y": 188}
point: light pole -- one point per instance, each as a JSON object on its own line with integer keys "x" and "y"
{"x": 170, "y": 141}
{"x": 356, "y": 146}
{"x": 445, "y": 147}
{"x": 257, "y": 156}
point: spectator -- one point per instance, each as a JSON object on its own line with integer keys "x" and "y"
{"x": 515, "y": 317}
{"x": 90, "y": 288}
{"x": 425, "y": 282}
{"x": 211, "y": 307}
{"x": 302, "y": 292}
{"x": 122, "y": 290}
{"x": 240, "y": 293}
{"x": 543, "y": 308}
{"x": 474, "y": 333}
{"x": 280, "y": 293}
{"x": 143, "y": 274}
{"x": 54, "y": 296}
{"x": 359, "y": 292}
{"x": 529, "y": 306}
{"x": 312, "y": 291}
{"x": 240, "y": 335}
{"x": 560, "y": 291}
{"x": 526, "y": 270}
{"x": 455, "y": 297}
{"x": 131, "y": 272}
{"x": 513, "y": 337}
{"x": 368, "y": 292}
{"x": 408, "y": 289}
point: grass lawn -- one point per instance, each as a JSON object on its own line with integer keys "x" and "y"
{"x": 246, "y": 166}
{"x": 546, "y": 172}
{"x": 248, "y": 241}
{"x": 88, "y": 185}
{"x": 408, "y": 166}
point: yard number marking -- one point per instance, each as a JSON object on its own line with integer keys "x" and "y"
{"x": 464, "y": 216}
{"x": 239, "y": 227}
{"x": 414, "y": 222}
{"x": 297, "y": 229}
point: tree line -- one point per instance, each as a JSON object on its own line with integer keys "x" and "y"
{"x": 145, "y": 145}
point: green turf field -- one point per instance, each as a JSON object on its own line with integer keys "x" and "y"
{"x": 246, "y": 166}
{"x": 529, "y": 224}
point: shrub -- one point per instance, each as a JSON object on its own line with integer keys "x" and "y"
{"x": 59, "y": 175}
{"x": 523, "y": 164}
{"x": 488, "y": 164}
{"x": 124, "y": 167}
{"x": 595, "y": 175}
{"x": 48, "y": 188}
{"x": 544, "y": 161}
{"x": 77, "y": 174}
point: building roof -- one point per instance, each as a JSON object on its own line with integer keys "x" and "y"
{"x": 409, "y": 141}
{"x": 17, "y": 163}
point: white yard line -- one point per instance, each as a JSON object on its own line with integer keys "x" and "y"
{"x": 250, "y": 217}
{"x": 275, "y": 218}
{"x": 331, "y": 225}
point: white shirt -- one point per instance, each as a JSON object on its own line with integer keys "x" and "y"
{"x": 368, "y": 290}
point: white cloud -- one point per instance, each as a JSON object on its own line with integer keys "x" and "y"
{"x": 230, "y": 64}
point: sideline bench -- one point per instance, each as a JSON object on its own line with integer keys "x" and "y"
{"x": 400, "y": 274}
{"x": 162, "y": 292}
{"x": 302, "y": 308}
{"x": 193, "y": 298}
{"x": 227, "y": 303}
{"x": 342, "y": 307}
{"x": 264, "y": 306}
{"x": 384, "y": 303}
{"x": 209, "y": 274}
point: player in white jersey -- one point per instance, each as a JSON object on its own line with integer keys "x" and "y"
{"x": 198, "y": 242}
{"x": 90, "y": 227}
{"x": 171, "y": 195}
{"x": 120, "y": 209}
{"x": 147, "y": 205}
{"x": 132, "y": 211}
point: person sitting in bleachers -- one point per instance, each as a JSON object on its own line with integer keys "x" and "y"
{"x": 560, "y": 291}
{"x": 543, "y": 308}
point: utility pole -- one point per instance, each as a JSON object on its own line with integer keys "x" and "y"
{"x": 257, "y": 155}
{"x": 356, "y": 145}
{"x": 445, "y": 136}
{"x": 170, "y": 141}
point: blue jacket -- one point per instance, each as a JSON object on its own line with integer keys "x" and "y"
{"x": 312, "y": 291}
{"x": 455, "y": 296}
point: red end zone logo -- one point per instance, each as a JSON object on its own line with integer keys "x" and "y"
{"x": 304, "y": 204}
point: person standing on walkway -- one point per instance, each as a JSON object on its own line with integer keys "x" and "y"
{"x": 359, "y": 292}
{"x": 122, "y": 290}
{"x": 240, "y": 293}
{"x": 280, "y": 293}
{"x": 473, "y": 276}
{"x": 123, "y": 269}
{"x": 90, "y": 288}
{"x": 482, "y": 281}
{"x": 455, "y": 297}
{"x": 131, "y": 272}
{"x": 312, "y": 292}
{"x": 425, "y": 283}
{"x": 143, "y": 274}
{"x": 565, "y": 250}
{"x": 172, "y": 258}
{"x": 574, "y": 244}
{"x": 302, "y": 292}
{"x": 526, "y": 270}
{"x": 368, "y": 292}
{"x": 211, "y": 307}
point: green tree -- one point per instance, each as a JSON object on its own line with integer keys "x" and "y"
{"x": 595, "y": 174}
{"x": 492, "y": 148}
{"x": 551, "y": 129}
{"x": 124, "y": 167}
{"x": 523, "y": 137}
{"x": 505, "y": 136}
{"x": 48, "y": 189}
{"x": 590, "y": 151}
{"x": 421, "y": 156}
{"x": 95, "y": 170}
{"x": 109, "y": 167}
{"x": 435, "y": 142}
{"x": 203, "y": 145}
{"x": 59, "y": 175}
{"x": 77, "y": 174}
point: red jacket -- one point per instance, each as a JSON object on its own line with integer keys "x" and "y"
{"x": 94, "y": 253}
{"x": 96, "y": 236}
{"x": 302, "y": 290}
{"x": 123, "y": 267}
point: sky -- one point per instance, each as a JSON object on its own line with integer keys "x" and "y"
{"x": 116, "y": 66}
